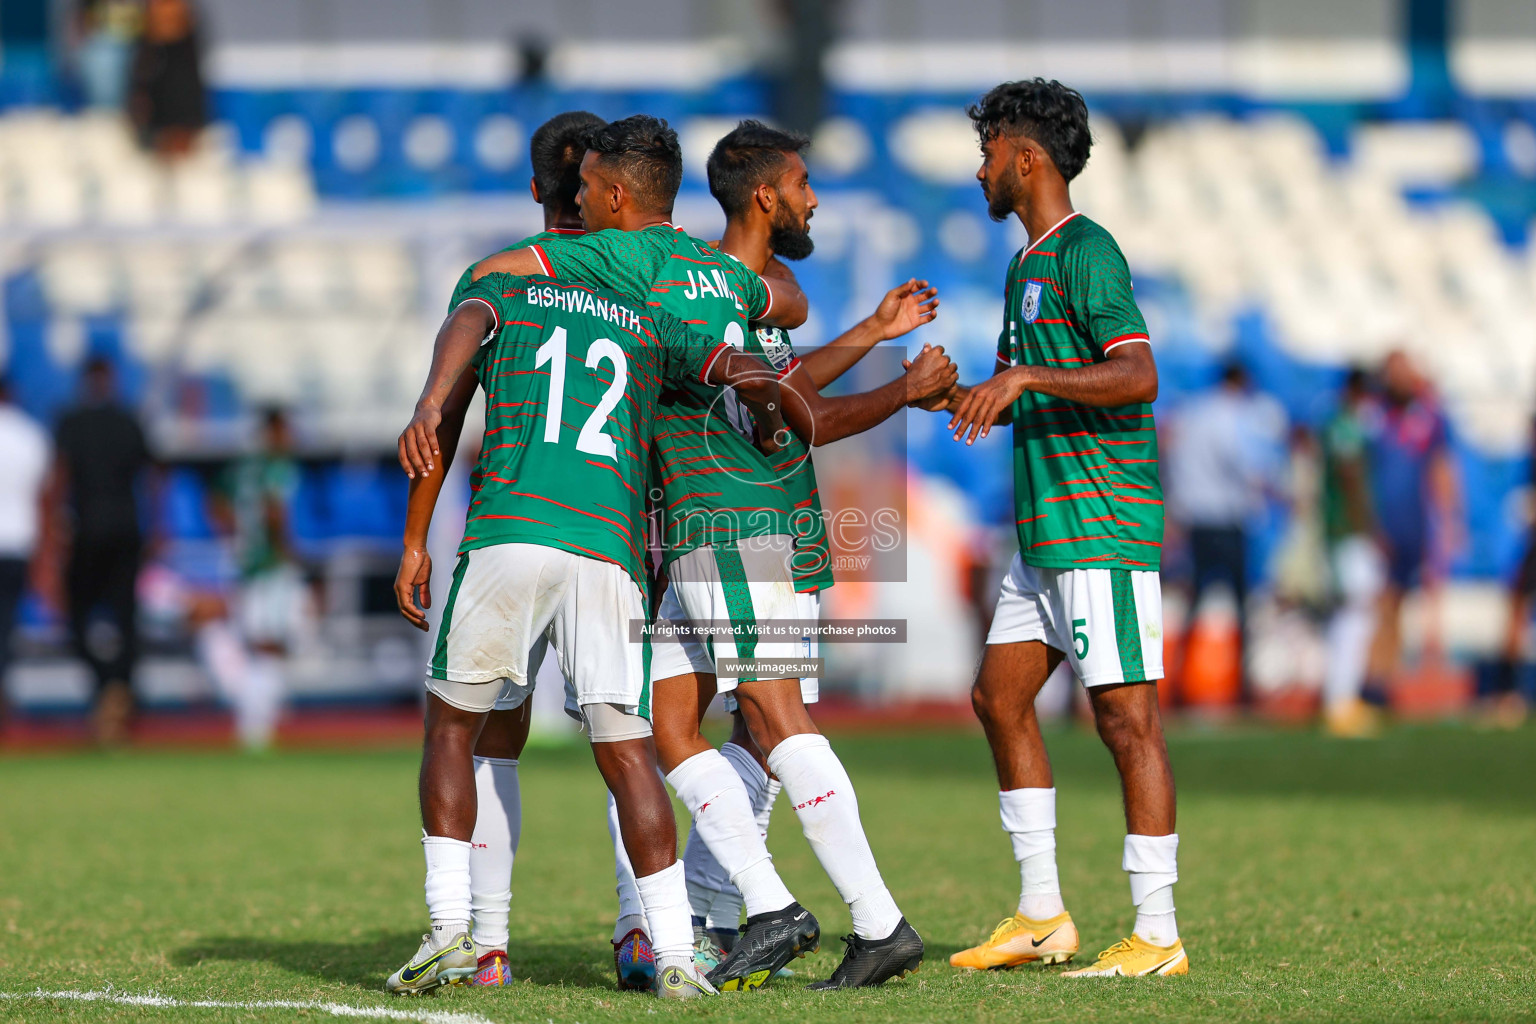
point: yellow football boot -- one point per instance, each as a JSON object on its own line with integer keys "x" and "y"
{"x": 1022, "y": 940}
{"x": 1135, "y": 957}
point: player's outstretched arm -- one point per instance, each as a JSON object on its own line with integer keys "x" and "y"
{"x": 1127, "y": 375}
{"x": 457, "y": 342}
{"x": 819, "y": 420}
{"x": 415, "y": 564}
{"x": 905, "y": 308}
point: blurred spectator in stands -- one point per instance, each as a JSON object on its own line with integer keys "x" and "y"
{"x": 1505, "y": 702}
{"x": 104, "y": 32}
{"x": 1416, "y": 500}
{"x": 101, "y": 458}
{"x": 25, "y": 452}
{"x": 1228, "y": 453}
{"x": 166, "y": 100}
{"x": 1355, "y": 555}
{"x": 253, "y": 507}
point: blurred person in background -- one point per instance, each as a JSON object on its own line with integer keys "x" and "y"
{"x": 1416, "y": 502}
{"x": 1227, "y": 454}
{"x": 101, "y": 459}
{"x": 253, "y": 508}
{"x": 1506, "y": 703}
{"x": 167, "y": 101}
{"x": 104, "y": 32}
{"x": 1355, "y": 555}
{"x": 26, "y": 453}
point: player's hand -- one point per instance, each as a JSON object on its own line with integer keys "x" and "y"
{"x": 931, "y": 374}
{"x": 415, "y": 572}
{"x": 905, "y": 308}
{"x": 418, "y": 441}
{"x": 936, "y": 403}
{"x": 768, "y": 422}
{"x": 982, "y": 405}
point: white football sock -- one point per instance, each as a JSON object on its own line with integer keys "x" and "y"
{"x": 725, "y": 911}
{"x": 493, "y": 847}
{"x": 626, "y": 924}
{"x": 260, "y": 703}
{"x": 714, "y": 898}
{"x": 823, "y": 798}
{"x": 1153, "y": 864}
{"x": 630, "y": 907}
{"x": 764, "y": 807}
{"x": 666, "y": 910}
{"x": 1029, "y": 818}
{"x": 709, "y": 787}
{"x": 448, "y": 900}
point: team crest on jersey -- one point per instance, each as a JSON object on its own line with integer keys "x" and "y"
{"x": 775, "y": 347}
{"x": 1031, "y": 310}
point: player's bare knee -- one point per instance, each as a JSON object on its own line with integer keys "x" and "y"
{"x": 1127, "y": 725}
{"x": 446, "y": 724}
{"x": 981, "y": 703}
{"x": 995, "y": 705}
{"x": 624, "y": 762}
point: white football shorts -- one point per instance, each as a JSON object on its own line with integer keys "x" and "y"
{"x": 741, "y": 584}
{"x": 506, "y": 598}
{"x": 1108, "y": 622}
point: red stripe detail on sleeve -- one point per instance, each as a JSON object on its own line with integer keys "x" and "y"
{"x": 538, "y": 252}
{"x": 1126, "y": 339}
{"x": 710, "y": 362}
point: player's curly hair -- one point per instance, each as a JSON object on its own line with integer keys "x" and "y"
{"x": 556, "y": 149}
{"x": 751, "y": 154}
{"x": 1050, "y": 113}
{"x": 642, "y": 151}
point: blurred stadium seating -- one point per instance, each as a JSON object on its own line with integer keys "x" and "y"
{"x": 302, "y": 255}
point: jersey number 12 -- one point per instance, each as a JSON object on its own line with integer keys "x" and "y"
{"x": 591, "y": 439}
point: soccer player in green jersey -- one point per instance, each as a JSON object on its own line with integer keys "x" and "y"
{"x": 1075, "y": 377}
{"x": 1355, "y": 555}
{"x": 555, "y": 150}
{"x": 554, "y": 548}
{"x": 759, "y": 177}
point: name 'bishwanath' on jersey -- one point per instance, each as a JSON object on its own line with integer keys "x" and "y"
{"x": 716, "y": 486}
{"x": 572, "y": 375}
{"x": 1086, "y": 487}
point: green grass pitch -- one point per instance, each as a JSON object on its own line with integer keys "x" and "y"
{"x": 1388, "y": 881}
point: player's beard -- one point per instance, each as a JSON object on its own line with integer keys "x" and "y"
{"x": 788, "y": 237}
{"x": 1003, "y": 195}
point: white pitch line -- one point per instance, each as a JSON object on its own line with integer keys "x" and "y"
{"x": 334, "y": 1009}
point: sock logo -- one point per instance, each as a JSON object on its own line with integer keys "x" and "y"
{"x": 817, "y": 801}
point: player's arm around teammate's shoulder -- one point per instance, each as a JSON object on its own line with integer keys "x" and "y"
{"x": 522, "y": 262}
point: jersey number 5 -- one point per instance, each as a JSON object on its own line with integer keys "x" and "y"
{"x": 591, "y": 439}
{"x": 1080, "y": 638}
